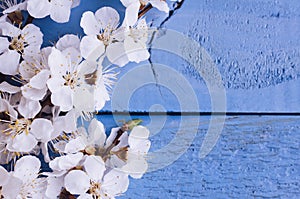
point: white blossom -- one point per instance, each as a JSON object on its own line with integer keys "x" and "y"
{"x": 10, "y": 6}
{"x": 15, "y": 42}
{"x": 23, "y": 134}
{"x": 133, "y": 7}
{"x": 135, "y": 42}
{"x": 103, "y": 36}
{"x": 24, "y": 181}
{"x": 92, "y": 180}
{"x": 59, "y": 10}
{"x": 67, "y": 83}
{"x": 136, "y": 164}
{"x": 60, "y": 167}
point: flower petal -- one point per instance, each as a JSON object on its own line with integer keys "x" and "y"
{"x": 6, "y": 87}
{"x": 63, "y": 98}
{"x": 33, "y": 37}
{"x": 83, "y": 99}
{"x": 74, "y": 56}
{"x": 112, "y": 135}
{"x": 55, "y": 83}
{"x": 32, "y": 93}
{"x": 54, "y": 186}
{"x": 4, "y": 176}
{"x": 38, "y": 8}
{"x": 108, "y": 18}
{"x": 115, "y": 182}
{"x": 127, "y": 3}
{"x": 10, "y": 30}
{"x": 116, "y": 54}
{"x": 60, "y": 10}
{"x": 138, "y": 140}
{"x": 77, "y": 182}
{"x": 27, "y": 168}
{"x": 67, "y": 41}
{"x": 22, "y": 143}
{"x": 97, "y": 134}
{"x": 75, "y": 145}
{"x": 89, "y": 23}
{"x": 65, "y": 162}
{"x": 29, "y": 108}
{"x": 94, "y": 167}
{"x": 160, "y": 5}
{"x": 136, "y": 50}
{"x": 136, "y": 165}
{"x": 12, "y": 188}
{"x": 4, "y": 44}
{"x": 58, "y": 63}
{"x": 9, "y": 62}
{"x": 42, "y": 129}
{"x": 39, "y": 80}
{"x": 91, "y": 48}
{"x": 131, "y": 14}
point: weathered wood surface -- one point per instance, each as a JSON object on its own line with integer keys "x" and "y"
{"x": 255, "y": 46}
{"x": 255, "y": 157}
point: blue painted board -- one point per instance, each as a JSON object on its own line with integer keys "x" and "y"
{"x": 255, "y": 157}
{"x": 252, "y": 45}
{"x": 255, "y": 46}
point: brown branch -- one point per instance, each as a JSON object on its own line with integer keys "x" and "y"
{"x": 144, "y": 10}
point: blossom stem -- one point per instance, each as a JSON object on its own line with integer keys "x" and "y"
{"x": 145, "y": 10}
{"x": 29, "y": 20}
{"x": 64, "y": 194}
{"x": 127, "y": 126}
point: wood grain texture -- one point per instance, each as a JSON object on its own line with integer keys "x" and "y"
{"x": 255, "y": 157}
{"x": 254, "y": 44}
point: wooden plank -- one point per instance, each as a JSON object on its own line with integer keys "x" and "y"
{"x": 255, "y": 157}
{"x": 254, "y": 45}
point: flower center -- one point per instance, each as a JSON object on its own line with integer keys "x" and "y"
{"x": 18, "y": 44}
{"x": 71, "y": 80}
{"x": 95, "y": 189}
{"x": 105, "y": 38}
{"x": 18, "y": 127}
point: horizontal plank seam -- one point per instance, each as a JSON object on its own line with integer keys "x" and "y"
{"x": 175, "y": 113}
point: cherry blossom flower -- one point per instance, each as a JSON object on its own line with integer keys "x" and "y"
{"x": 46, "y": 91}
{"x": 102, "y": 80}
{"x": 60, "y": 167}
{"x": 62, "y": 126}
{"x": 86, "y": 140}
{"x": 24, "y": 181}
{"x": 93, "y": 182}
{"x": 10, "y": 6}
{"x": 33, "y": 64}
{"x": 23, "y": 134}
{"x": 15, "y": 42}
{"x": 103, "y": 36}
{"x": 95, "y": 142}
{"x": 59, "y": 10}
{"x": 136, "y": 164}
{"x": 135, "y": 42}
{"x": 133, "y": 7}
{"x": 35, "y": 70}
{"x": 67, "y": 83}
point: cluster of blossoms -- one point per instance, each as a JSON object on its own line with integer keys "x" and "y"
{"x": 48, "y": 97}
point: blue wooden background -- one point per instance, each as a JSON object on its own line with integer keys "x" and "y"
{"x": 255, "y": 46}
